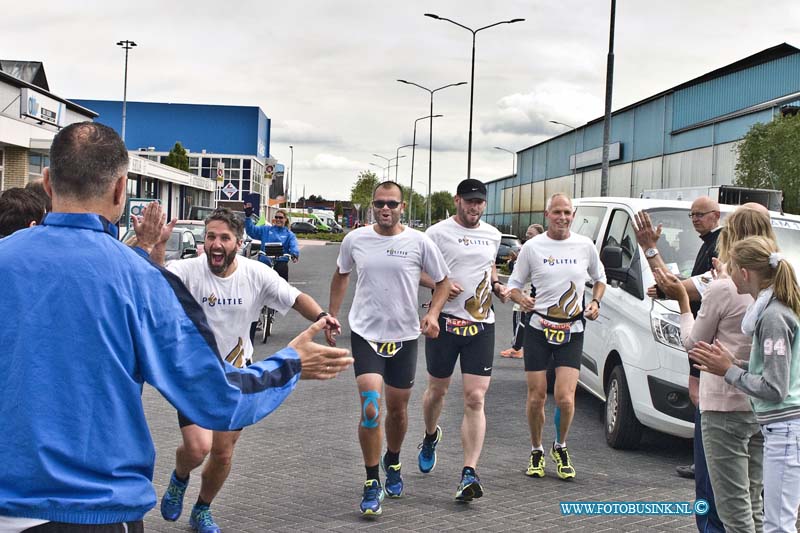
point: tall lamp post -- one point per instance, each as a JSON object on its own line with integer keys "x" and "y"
{"x": 574, "y": 153}
{"x": 430, "y": 137}
{"x": 127, "y": 45}
{"x": 472, "y": 76}
{"x": 389, "y": 162}
{"x": 607, "y": 116}
{"x": 397, "y": 166}
{"x": 513, "y": 159}
{"x": 291, "y": 168}
{"x": 383, "y": 169}
{"x": 413, "y": 151}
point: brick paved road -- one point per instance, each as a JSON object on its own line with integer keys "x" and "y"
{"x": 301, "y": 468}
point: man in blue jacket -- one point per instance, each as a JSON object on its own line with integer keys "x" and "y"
{"x": 278, "y": 232}
{"x": 91, "y": 320}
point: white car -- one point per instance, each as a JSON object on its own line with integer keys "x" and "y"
{"x": 633, "y": 359}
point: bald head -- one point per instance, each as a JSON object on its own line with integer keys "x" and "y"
{"x": 756, "y": 207}
{"x": 705, "y": 214}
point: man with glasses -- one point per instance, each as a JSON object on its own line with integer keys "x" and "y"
{"x": 705, "y": 217}
{"x": 278, "y": 232}
{"x": 385, "y": 325}
{"x": 466, "y": 326}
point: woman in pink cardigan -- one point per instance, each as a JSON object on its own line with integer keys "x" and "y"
{"x": 732, "y": 437}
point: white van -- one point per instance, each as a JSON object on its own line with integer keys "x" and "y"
{"x": 633, "y": 359}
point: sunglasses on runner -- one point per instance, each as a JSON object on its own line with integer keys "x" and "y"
{"x": 380, "y": 204}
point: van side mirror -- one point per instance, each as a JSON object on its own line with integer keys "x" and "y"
{"x": 188, "y": 252}
{"x": 611, "y": 257}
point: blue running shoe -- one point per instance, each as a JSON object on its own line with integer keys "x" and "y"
{"x": 373, "y": 496}
{"x": 201, "y": 521}
{"x": 394, "y": 481}
{"x": 172, "y": 501}
{"x": 427, "y": 452}
{"x": 469, "y": 488}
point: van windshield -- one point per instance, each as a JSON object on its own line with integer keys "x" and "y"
{"x": 679, "y": 241}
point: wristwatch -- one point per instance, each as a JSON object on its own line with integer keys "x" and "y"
{"x": 651, "y": 253}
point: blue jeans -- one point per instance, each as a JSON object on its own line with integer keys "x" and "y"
{"x": 709, "y": 522}
{"x": 781, "y": 475}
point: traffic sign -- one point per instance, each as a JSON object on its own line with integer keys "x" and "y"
{"x": 230, "y": 189}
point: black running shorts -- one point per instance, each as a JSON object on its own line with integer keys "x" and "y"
{"x": 475, "y": 345}
{"x": 539, "y": 352}
{"x": 397, "y": 364}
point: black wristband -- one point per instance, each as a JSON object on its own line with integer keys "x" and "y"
{"x": 598, "y": 302}
{"x": 322, "y": 314}
{"x": 496, "y": 282}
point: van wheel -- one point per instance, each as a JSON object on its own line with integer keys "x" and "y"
{"x": 623, "y": 430}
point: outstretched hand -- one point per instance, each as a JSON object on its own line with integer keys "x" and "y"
{"x": 318, "y": 361}
{"x": 646, "y": 235}
{"x": 150, "y": 228}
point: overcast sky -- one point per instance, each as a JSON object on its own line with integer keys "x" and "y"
{"x": 325, "y": 71}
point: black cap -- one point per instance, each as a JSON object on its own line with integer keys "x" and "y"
{"x": 470, "y": 189}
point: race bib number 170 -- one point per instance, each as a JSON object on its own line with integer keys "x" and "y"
{"x": 556, "y": 333}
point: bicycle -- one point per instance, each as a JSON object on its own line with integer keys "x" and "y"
{"x": 266, "y": 318}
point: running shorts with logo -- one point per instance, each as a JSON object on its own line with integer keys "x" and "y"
{"x": 473, "y": 341}
{"x": 395, "y": 361}
{"x": 554, "y": 342}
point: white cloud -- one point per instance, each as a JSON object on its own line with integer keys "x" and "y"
{"x": 297, "y": 131}
{"x": 330, "y": 162}
{"x": 530, "y": 113}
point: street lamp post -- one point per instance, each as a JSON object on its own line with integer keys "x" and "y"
{"x": 513, "y": 159}
{"x": 413, "y": 151}
{"x": 127, "y": 45}
{"x": 574, "y": 154}
{"x": 389, "y": 162}
{"x": 430, "y": 137}
{"x": 607, "y": 115}
{"x": 291, "y": 167}
{"x": 383, "y": 173}
{"x": 397, "y": 166}
{"x": 472, "y": 75}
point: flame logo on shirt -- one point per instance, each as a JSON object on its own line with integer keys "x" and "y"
{"x": 212, "y": 299}
{"x": 479, "y": 305}
{"x": 567, "y": 306}
{"x": 236, "y": 356}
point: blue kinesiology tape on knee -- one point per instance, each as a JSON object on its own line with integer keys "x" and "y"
{"x": 557, "y": 422}
{"x": 371, "y": 397}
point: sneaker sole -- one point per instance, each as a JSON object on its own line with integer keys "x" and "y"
{"x": 470, "y": 492}
{"x": 370, "y": 512}
{"x": 534, "y": 474}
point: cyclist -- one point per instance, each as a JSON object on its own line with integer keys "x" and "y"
{"x": 231, "y": 290}
{"x": 556, "y": 263}
{"x": 278, "y": 232}
{"x": 384, "y": 328}
{"x": 466, "y": 327}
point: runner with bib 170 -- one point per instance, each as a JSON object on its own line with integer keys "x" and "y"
{"x": 466, "y": 330}
{"x": 556, "y": 263}
{"x": 385, "y": 325}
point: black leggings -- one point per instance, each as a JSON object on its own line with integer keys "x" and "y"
{"x": 61, "y": 527}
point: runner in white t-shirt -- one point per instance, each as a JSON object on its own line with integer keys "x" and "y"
{"x": 466, "y": 327}
{"x": 556, "y": 263}
{"x": 231, "y": 290}
{"x": 385, "y": 325}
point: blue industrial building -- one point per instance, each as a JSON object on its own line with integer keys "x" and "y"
{"x": 683, "y": 137}
{"x": 237, "y": 138}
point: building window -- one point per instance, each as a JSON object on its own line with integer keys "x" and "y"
{"x": 131, "y": 188}
{"x": 36, "y": 162}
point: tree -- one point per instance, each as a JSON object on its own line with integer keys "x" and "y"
{"x": 442, "y": 203}
{"x": 338, "y": 210}
{"x": 177, "y": 158}
{"x": 769, "y": 159}
{"x": 361, "y": 193}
